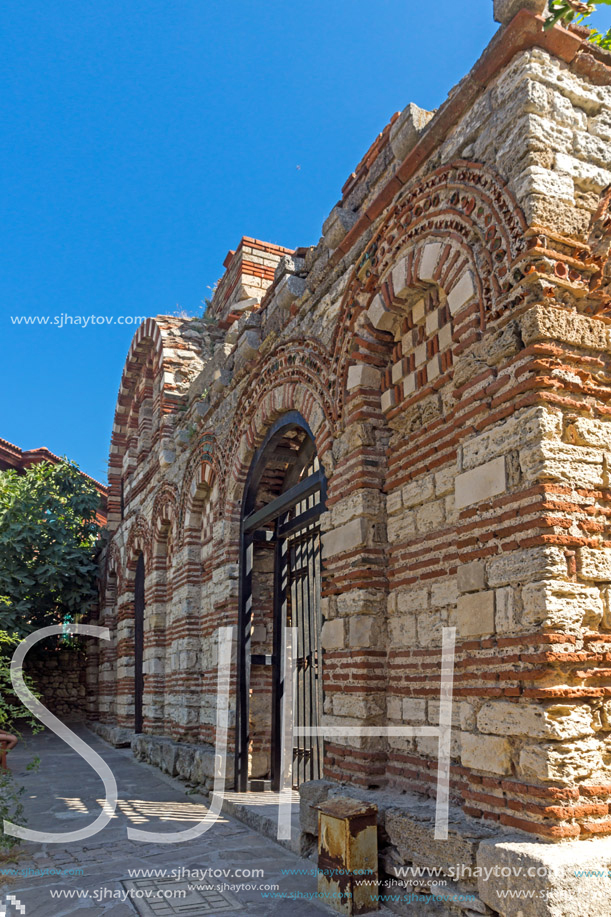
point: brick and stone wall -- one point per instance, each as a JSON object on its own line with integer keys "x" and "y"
{"x": 448, "y": 343}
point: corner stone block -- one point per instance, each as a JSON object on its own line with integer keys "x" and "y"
{"x": 485, "y": 753}
{"x": 595, "y": 564}
{"x": 345, "y": 538}
{"x": 379, "y": 316}
{"x": 555, "y": 877}
{"x": 406, "y": 130}
{"x": 475, "y": 614}
{"x": 428, "y": 260}
{"x": 505, "y": 10}
{"x": 462, "y": 293}
{"x": 481, "y": 483}
{"x": 289, "y": 289}
{"x": 558, "y": 721}
{"x": 337, "y": 225}
{"x": 363, "y": 375}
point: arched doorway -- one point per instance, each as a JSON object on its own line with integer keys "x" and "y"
{"x": 138, "y": 643}
{"x": 280, "y": 584}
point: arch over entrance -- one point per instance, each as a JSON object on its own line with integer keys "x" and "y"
{"x": 280, "y": 584}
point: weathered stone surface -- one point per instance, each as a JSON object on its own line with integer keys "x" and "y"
{"x": 345, "y": 538}
{"x": 595, "y": 564}
{"x": 566, "y": 762}
{"x": 527, "y": 719}
{"x": 311, "y": 794}
{"x": 485, "y": 753}
{"x": 332, "y": 634}
{"x": 481, "y": 483}
{"x": 555, "y": 877}
{"x": 475, "y": 613}
{"x": 407, "y": 128}
{"x": 471, "y": 577}
{"x": 563, "y": 605}
{"x": 337, "y": 224}
{"x": 505, "y": 10}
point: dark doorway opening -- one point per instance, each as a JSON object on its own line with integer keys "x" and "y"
{"x": 280, "y": 583}
{"x": 138, "y": 643}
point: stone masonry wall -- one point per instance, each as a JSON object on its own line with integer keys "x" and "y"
{"x": 448, "y": 343}
{"x": 60, "y": 678}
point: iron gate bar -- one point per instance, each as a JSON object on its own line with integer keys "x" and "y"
{"x": 284, "y": 502}
{"x": 294, "y": 525}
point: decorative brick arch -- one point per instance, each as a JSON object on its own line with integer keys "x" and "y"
{"x": 113, "y": 567}
{"x": 458, "y": 230}
{"x": 163, "y": 527}
{"x": 292, "y": 378}
{"x": 139, "y": 541}
{"x": 203, "y": 469}
{"x": 152, "y": 370}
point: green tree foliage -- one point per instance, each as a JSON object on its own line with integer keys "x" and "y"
{"x": 567, "y": 11}
{"x": 48, "y": 537}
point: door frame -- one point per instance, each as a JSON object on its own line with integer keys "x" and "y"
{"x": 250, "y": 531}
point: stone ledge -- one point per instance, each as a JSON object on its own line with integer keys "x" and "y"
{"x": 555, "y": 877}
{"x": 114, "y": 735}
{"x": 192, "y": 763}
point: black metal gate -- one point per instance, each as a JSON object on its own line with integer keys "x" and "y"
{"x": 303, "y": 612}
{"x": 291, "y": 522}
{"x": 138, "y": 643}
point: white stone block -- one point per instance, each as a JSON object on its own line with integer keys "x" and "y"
{"x": 420, "y": 354}
{"x": 414, "y": 711}
{"x": 388, "y": 399}
{"x": 566, "y": 880}
{"x": 345, "y": 538}
{"x": 409, "y": 385}
{"x": 406, "y": 130}
{"x": 418, "y": 311}
{"x": 485, "y": 753}
{"x": 399, "y": 282}
{"x": 445, "y": 337}
{"x": 363, "y": 375}
{"x": 397, "y": 372}
{"x": 481, "y": 483}
{"x": 428, "y": 260}
{"x": 433, "y": 368}
{"x": 558, "y": 721}
{"x": 471, "y": 577}
{"x": 432, "y": 322}
{"x": 332, "y": 634}
{"x": 595, "y": 564}
{"x": 461, "y": 293}
{"x": 379, "y": 316}
{"x": 475, "y": 614}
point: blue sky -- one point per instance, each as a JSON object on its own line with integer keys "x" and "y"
{"x": 141, "y": 139}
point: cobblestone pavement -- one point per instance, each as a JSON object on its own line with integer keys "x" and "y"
{"x": 64, "y": 794}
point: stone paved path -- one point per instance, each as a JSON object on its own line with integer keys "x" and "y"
{"x": 62, "y": 796}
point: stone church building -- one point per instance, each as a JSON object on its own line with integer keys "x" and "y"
{"x": 402, "y": 429}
